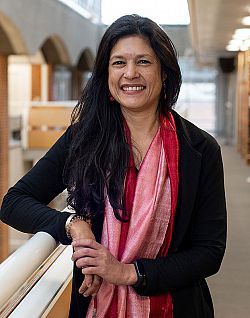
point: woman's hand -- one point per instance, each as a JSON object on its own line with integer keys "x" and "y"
{"x": 95, "y": 259}
{"x": 91, "y": 283}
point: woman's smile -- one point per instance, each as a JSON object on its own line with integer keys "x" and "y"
{"x": 134, "y": 88}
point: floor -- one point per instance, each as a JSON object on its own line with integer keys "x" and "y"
{"x": 231, "y": 286}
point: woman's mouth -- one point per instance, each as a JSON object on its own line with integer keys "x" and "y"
{"x": 132, "y": 88}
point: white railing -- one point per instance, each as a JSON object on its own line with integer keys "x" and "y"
{"x": 42, "y": 294}
{"x": 16, "y": 269}
{"x": 32, "y": 276}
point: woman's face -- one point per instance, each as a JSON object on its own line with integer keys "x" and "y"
{"x": 134, "y": 79}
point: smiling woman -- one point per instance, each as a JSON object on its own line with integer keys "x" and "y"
{"x": 146, "y": 186}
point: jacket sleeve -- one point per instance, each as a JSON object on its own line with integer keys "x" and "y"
{"x": 203, "y": 253}
{"x": 25, "y": 207}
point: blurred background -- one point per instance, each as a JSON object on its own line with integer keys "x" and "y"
{"x": 47, "y": 51}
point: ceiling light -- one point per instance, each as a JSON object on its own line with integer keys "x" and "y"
{"x": 244, "y": 47}
{"x": 236, "y": 42}
{"x": 238, "y": 45}
{"x": 240, "y": 37}
{"x": 242, "y": 34}
{"x": 242, "y": 31}
{"x": 232, "y": 48}
{"x": 246, "y": 20}
{"x": 247, "y": 42}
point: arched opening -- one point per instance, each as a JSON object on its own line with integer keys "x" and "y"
{"x": 59, "y": 71}
{"x": 82, "y": 72}
{"x": 86, "y": 61}
{"x": 11, "y": 41}
{"x": 54, "y": 51}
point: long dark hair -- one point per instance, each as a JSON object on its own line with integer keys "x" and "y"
{"x": 99, "y": 154}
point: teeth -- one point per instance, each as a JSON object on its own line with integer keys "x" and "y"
{"x": 133, "y": 88}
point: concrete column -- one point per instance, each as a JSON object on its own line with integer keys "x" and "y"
{"x": 221, "y": 98}
{"x": 44, "y": 82}
{"x": 4, "y": 149}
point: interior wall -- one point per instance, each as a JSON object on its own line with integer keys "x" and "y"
{"x": 19, "y": 85}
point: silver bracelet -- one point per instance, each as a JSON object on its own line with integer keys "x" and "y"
{"x": 72, "y": 219}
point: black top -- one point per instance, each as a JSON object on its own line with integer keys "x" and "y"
{"x": 199, "y": 236}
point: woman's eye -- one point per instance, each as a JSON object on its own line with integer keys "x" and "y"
{"x": 118, "y": 63}
{"x": 144, "y": 62}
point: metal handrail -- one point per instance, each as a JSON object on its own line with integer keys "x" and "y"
{"x": 19, "y": 266}
{"x": 25, "y": 288}
{"x": 38, "y": 300}
{"x": 33, "y": 276}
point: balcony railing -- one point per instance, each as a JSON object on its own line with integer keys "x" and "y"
{"x": 35, "y": 279}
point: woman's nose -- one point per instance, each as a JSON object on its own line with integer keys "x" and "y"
{"x": 131, "y": 71}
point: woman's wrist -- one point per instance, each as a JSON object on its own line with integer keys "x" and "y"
{"x": 77, "y": 226}
{"x": 130, "y": 276}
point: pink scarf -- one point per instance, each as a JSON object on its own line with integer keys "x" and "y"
{"x": 151, "y": 201}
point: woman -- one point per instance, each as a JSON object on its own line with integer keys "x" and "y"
{"x": 147, "y": 187}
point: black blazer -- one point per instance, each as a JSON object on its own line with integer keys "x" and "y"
{"x": 199, "y": 236}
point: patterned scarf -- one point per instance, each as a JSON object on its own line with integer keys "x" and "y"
{"x": 150, "y": 199}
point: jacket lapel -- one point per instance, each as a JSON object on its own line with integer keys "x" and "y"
{"x": 189, "y": 172}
